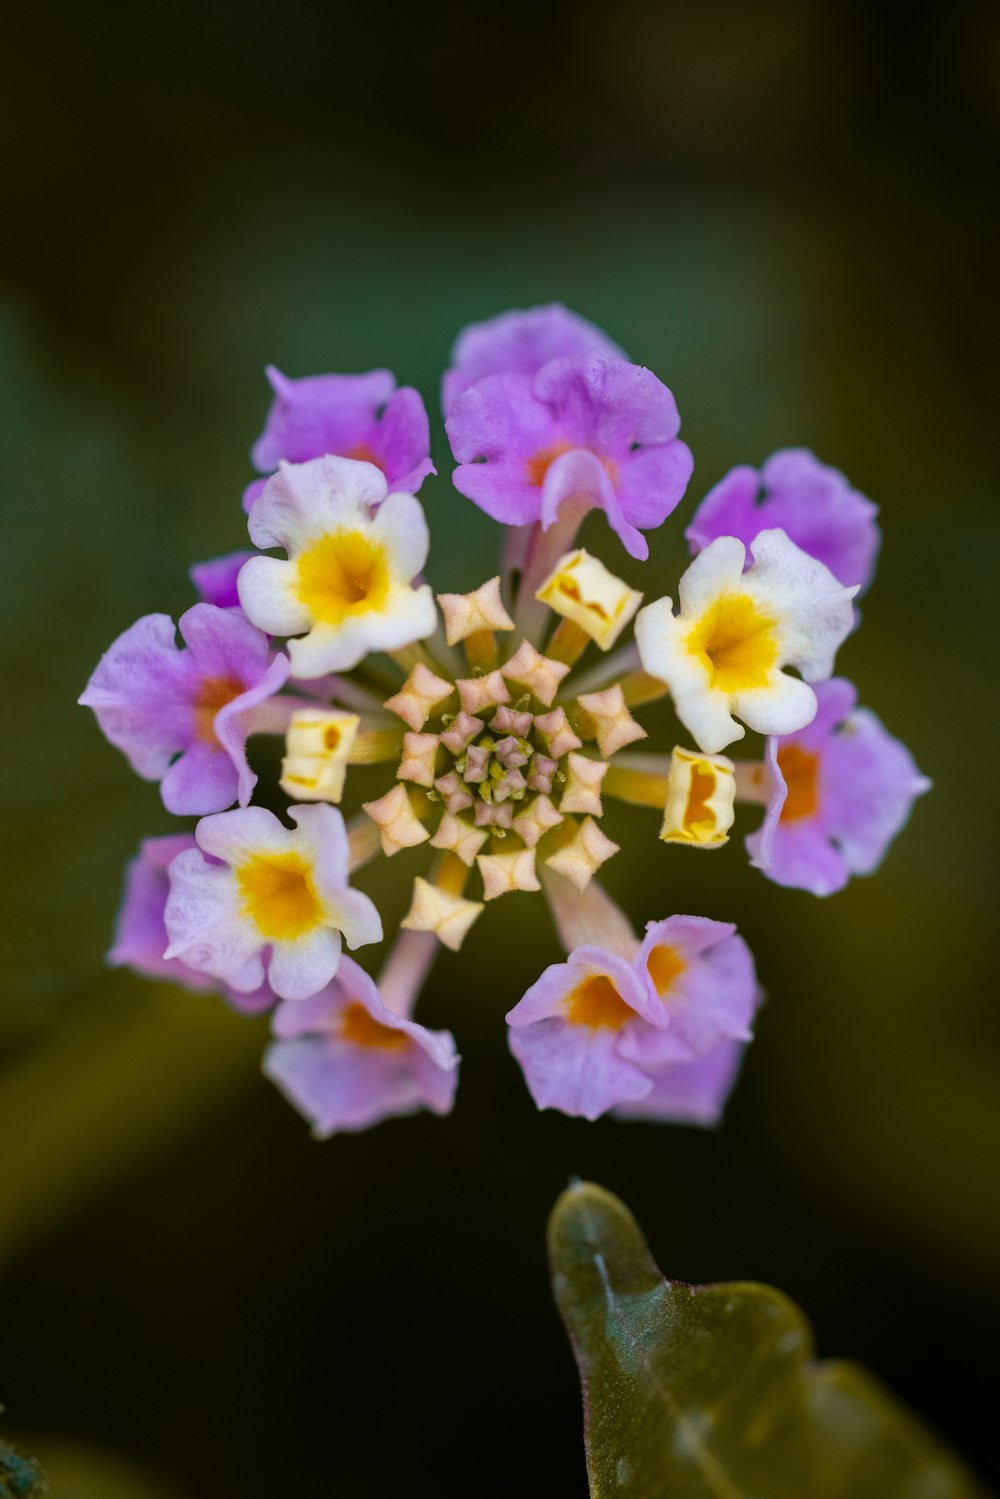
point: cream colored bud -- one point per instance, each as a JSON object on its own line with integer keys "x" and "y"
{"x": 398, "y": 824}
{"x": 435, "y": 910}
{"x": 701, "y": 792}
{"x": 468, "y": 614}
{"x": 580, "y": 588}
{"x": 612, "y": 724}
{"x": 503, "y": 873}
{"x": 536, "y": 820}
{"x": 582, "y": 792}
{"x": 580, "y": 860}
{"x": 419, "y": 695}
{"x": 477, "y": 693}
{"x": 540, "y": 674}
{"x": 558, "y": 733}
{"x": 317, "y": 746}
{"x": 456, "y": 836}
{"x": 419, "y": 757}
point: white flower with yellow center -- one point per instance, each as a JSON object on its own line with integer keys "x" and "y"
{"x": 723, "y": 656}
{"x": 353, "y": 552}
{"x": 267, "y": 890}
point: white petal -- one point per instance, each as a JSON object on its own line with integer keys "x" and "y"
{"x": 301, "y": 968}
{"x": 268, "y": 591}
{"x": 401, "y": 526}
{"x": 813, "y": 608}
{"x": 784, "y": 706}
{"x": 304, "y": 501}
{"x": 238, "y": 835}
{"x": 716, "y": 570}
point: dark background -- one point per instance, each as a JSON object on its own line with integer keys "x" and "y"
{"x": 786, "y": 211}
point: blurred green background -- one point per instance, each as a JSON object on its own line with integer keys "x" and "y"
{"x": 786, "y": 210}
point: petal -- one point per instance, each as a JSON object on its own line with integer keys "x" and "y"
{"x": 216, "y": 580}
{"x": 606, "y": 403}
{"x": 304, "y": 501}
{"x": 404, "y": 441}
{"x": 691, "y": 1093}
{"x": 401, "y": 526}
{"x": 235, "y": 720}
{"x": 521, "y": 342}
{"x": 140, "y": 938}
{"x": 301, "y": 968}
{"x": 204, "y": 925}
{"x": 141, "y": 693}
{"x": 224, "y": 644}
{"x": 202, "y": 780}
{"x": 320, "y": 414}
{"x": 269, "y": 596}
{"x": 236, "y": 836}
{"x": 575, "y": 1069}
{"x": 814, "y": 610}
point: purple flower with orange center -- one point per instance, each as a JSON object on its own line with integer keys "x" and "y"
{"x": 583, "y": 433}
{"x": 347, "y": 416}
{"x": 346, "y": 1061}
{"x": 181, "y": 716}
{"x": 836, "y": 793}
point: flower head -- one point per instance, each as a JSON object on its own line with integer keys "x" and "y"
{"x": 814, "y": 505}
{"x": 353, "y": 552}
{"x": 593, "y": 430}
{"x": 253, "y": 887}
{"x": 182, "y": 716}
{"x": 724, "y": 654}
{"x": 349, "y": 416}
{"x": 600, "y": 1031}
{"x": 346, "y": 1061}
{"x": 839, "y": 792}
{"x": 140, "y": 933}
{"x": 519, "y": 343}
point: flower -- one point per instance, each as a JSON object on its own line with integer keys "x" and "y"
{"x": 724, "y": 652}
{"x": 569, "y": 1031}
{"x": 703, "y": 973}
{"x": 599, "y": 1031}
{"x": 350, "y": 416}
{"x": 273, "y": 891}
{"x": 353, "y": 551}
{"x": 182, "y": 716}
{"x": 346, "y": 1061}
{"x": 317, "y": 747}
{"x": 581, "y": 589}
{"x": 141, "y": 936}
{"x": 839, "y": 792}
{"x": 814, "y": 505}
{"x": 591, "y": 429}
{"x": 701, "y": 796}
{"x": 519, "y": 343}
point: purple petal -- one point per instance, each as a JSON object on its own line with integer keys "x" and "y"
{"x": 140, "y": 937}
{"x": 519, "y": 342}
{"x": 404, "y": 442}
{"x": 574, "y": 1068}
{"x": 216, "y": 580}
{"x": 692, "y": 1092}
{"x": 141, "y": 693}
{"x": 320, "y": 414}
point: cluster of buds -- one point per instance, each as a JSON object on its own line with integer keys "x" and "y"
{"x": 508, "y": 729}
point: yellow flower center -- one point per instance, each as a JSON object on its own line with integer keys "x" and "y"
{"x": 800, "y": 769}
{"x": 341, "y": 575}
{"x": 279, "y": 896}
{"x": 664, "y": 965}
{"x": 736, "y": 642}
{"x": 213, "y": 693}
{"x": 358, "y": 1027}
{"x": 597, "y": 1003}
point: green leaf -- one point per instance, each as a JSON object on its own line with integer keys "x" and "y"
{"x": 712, "y": 1392}
{"x": 20, "y": 1476}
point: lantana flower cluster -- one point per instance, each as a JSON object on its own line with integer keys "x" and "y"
{"x": 513, "y": 718}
